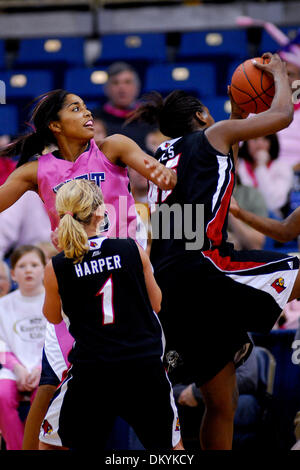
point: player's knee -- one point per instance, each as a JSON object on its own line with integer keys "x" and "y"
{"x": 224, "y": 404}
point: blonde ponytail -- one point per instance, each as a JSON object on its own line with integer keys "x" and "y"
{"x": 76, "y": 201}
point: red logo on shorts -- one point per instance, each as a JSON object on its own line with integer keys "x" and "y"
{"x": 177, "y": 425}
{"x": 278, "y": 285}
{"x": 47, "y": 428}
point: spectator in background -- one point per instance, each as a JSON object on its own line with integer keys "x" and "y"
{"x": 100, "y": 129}
{"x": 24, "y": 223}
{"x": 5, "y": 280}
{"x": 289, "y": 138}
{"x": 7, "y": 165}
{"x": 154, "y": 139}
{"x": 240, "y": 234}
{"x": 22, "y": 331}
{"x": 122, "y": 90}
{"x": 260, "y": 167}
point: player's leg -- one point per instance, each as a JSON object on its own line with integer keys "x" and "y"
{"x": 36, "y": 415}
{"x": 220, "y": 396}
{"x": 148, "y": 406}
{"x": 295, "y": 294}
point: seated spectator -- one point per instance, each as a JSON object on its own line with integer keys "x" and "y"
{"x": 49, "y": 250}
{"x": 24, "y": 223}
{"x": 154, "y": 139}
{"x": 260, "y": 167}
{"x": 289, "y": 137}
{"x": 289, "y": 319}
{"x": 5, "y": 281}
{"x": 22, "y": 332}
{"x": 240, "y": 234}
{"x": 247, "y": 383}
{"x": 122, "y": 90}
{"x": 100, "y": 130}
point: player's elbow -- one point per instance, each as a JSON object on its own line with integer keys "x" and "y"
{"x": 156, "y": 305}
{"x": 156, "y": 302}
{"x": 285, "y": 116}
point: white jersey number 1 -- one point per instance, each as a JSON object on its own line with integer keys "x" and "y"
{"x": 107, "y": 302}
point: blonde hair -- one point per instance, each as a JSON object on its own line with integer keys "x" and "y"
{"x": 76, "y": 201}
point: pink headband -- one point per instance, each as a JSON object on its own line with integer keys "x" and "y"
{"x": 70, "y": 213}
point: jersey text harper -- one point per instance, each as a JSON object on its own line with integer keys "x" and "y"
{"x": 97, "y": 266}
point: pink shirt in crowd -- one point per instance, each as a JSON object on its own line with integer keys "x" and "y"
{"x": 289, "y": 140}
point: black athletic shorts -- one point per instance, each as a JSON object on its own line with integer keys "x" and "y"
{"x": 210, "y": 303}
{"x": 85, "y": 406}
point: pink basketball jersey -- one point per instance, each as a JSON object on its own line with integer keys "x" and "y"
{"x": 92, "y": 164}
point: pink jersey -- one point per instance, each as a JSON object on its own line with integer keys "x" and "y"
{"x": 92, "y": 164}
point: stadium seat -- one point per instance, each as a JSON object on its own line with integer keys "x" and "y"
{"x": 193, "y": 78}
{"x": 286, "y": 383}
{"x": 147, "y": 47}
{"x": 219, "y": 107}
{"x": 27, "y": 83}
{"x": 67, "y": 50}
{"x": 212, "y": 43}
{"x": 8, "y": 119}
{"x": 268, "y": 44}
{"x": 88, "y": 83}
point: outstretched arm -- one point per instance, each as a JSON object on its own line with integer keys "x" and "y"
{"x": 280, "y": 230}
{"x": 19, "y": 181}
{"x": 224, "y": 134}
{"x": 119, "y": 148}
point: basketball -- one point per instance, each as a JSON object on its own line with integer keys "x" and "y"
{"x": 252, "y": 89}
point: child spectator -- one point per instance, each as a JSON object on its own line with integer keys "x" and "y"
{"x": 22, "y": 334}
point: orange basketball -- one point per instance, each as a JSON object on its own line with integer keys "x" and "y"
{"x": 252, "y": 89}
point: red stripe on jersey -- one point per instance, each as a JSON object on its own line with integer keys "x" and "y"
{"x": 225, "y": 263}
{"x": 215, "y": 226}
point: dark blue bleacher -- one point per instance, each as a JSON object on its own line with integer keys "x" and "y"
{"x": 146, "y": 47}
{"x": 286, "y": 384}
{"x": 197, "y": 78}
{"x": 80, "y": 81}
{"x": 29, "y": 84}
{"x": 232, "y": 43}
{"x": 219, "y": 107}
{"x": 268, "y": 44}
{"x": 48, "y": 51}
{"x": 9, "y": 123}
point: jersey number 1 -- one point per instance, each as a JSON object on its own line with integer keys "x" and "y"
{"x": 107, "y": 302}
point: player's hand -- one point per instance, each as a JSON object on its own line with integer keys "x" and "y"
{"x": 163, "y": 177}
{"x": 275, "y": 65}
{"x": 234, "y": 208}
{"x": 236, "y": 111}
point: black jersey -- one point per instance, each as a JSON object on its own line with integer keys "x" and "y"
{"x": 106, "y": 301}
{"x": 192, "y": 217}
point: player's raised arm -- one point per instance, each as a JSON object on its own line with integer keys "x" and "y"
{"x": 224, "y": 134}
{"x": 280, "y": 230}
{"x": 19, "y": 181}
{"x": 120, "y": 148}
